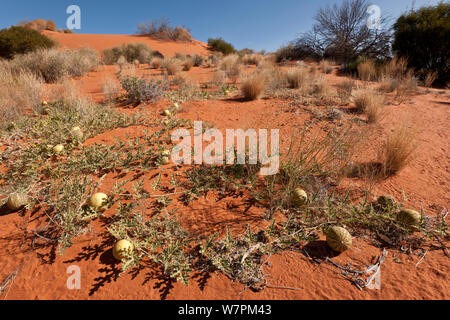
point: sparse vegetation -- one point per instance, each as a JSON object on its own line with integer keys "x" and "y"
{"x": 131, "y": 52}
{"x": 161, "y": 29}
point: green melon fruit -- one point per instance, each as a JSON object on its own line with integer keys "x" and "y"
{"x": 409, "y": 217}
{"x": 339, "y": 239}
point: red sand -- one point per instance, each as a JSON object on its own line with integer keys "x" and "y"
{"x": 424, "y": 182}
{"x": 101, "y": 42}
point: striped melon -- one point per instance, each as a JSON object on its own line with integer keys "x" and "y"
{"x": 409, "y": 217}
{"x": 339, "y": 239}
{"x": 16, "y": 201}
{"x": 98, "y": 201}
{"x": 121, "y": 247}
{"x": 299, "y": 197}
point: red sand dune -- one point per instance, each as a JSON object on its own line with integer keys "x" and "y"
{"x": 101, "y": 42}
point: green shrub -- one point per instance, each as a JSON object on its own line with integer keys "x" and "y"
{"x": 19, "y": 40}
{"x": 221, "y": 45}
{"x": 131, "y": 52}
{"x": 428, "y": 27}
{"x": 140, "y": 90}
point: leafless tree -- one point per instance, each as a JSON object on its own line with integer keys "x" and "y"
{"x": 341, "y": 32}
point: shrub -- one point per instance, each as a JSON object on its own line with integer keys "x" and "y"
{"x": 296, "y": 77}
{"x": 197, "y": 60}
{"x": 325, "y": 67}
{"x": 231, "y": 64}
{"x": 131, "y": 52}
{"x": 51, "y": 25}
{"x": 253, "y": 86}
{"x": 20, "y": 40}
{"x": 161, "y": 29}
{"x": 367, "y": 71}
{"x": 345, "y": 89}
{"x": 427, "y": 27}
{"x": 53, "y": 65}
{"x": 172, "y": 66}
{"x": 369, "y": 102}
{"x": 19, "y": 92}
{"x": 157, "y": 63}
{"x": 188, "y": 64}
{"x": 397, "y": 150}
{"x": 140, "y": 90}
{"x": 221, "y": 45}
{"x": 110, "y": 89}
{"x": 252, "y": 59}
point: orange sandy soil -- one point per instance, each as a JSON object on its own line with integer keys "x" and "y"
{"x": 423, "y": 184}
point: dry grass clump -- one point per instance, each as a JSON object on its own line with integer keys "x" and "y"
{"x": 325, "y": 67}
{"x": 320, "y": 87}
{"x": 253, "y": 86}
{"x": 161, "y": 29}
{"x": 367, "y": 71}
{"x": 39, "y": 25}
{"x": 397, "y": 150}
{"x": 172, "y": 66}
{"x": 275, "y": 79}
{"x": 19, "y": 92}
{"x": 345, "y": 89}
{"x": 429, "y": 79}
{"x": 219, "y": 79}
{"x": 110, "y": 89}
{"x": 252, "y": 59}
{"x": 156, "y": 63}
{"x": 396, "y": 68}
{"x": 296, "y": 77}
{"x": 370, "y": 103}
{"x": 53, "y": 64}
{"x": 388, "y": 85}
{"x": 188, "y": 64}
{"x": 231, "y": 64}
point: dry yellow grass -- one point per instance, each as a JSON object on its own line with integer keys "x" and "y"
{"x": 296, "y": 77}
{"x": 156, "y": 63}
{"x": 370, "y": 103}
{"x": 110, "y": 88}
{"x": 367, "y": 71}
{"x": 172, "y": 66}
{"x": 188, "y": 64}
{"x": 253, "y": 86}
{"x": 397, "y": 150}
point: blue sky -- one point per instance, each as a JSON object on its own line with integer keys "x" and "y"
{"x": 256, "y": 24}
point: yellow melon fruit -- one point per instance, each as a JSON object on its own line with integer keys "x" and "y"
{"x": 165, "y": 160}
{"x": 98, "y": 201}
{"x": 121, "y": 247}
{"x": 58, "y": 148}
{"x": 339, "y": 239}
{"x": 77, "y": 133}
{"x": 16, "y": 201}
{"x": 409, "y": 217}
{"x": 167, "y": 113}
{"x": 299, "y": 197}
